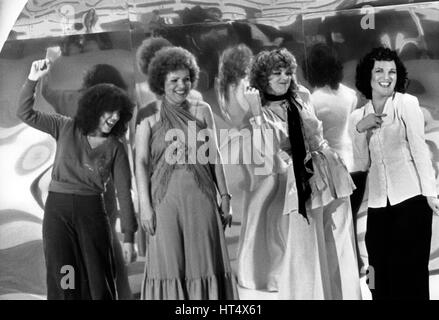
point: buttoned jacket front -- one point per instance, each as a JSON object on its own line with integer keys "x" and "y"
{"x": 396, "y": 154}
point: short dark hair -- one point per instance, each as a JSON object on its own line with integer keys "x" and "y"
{"x": 365, "y": 66}
{"x": 168, "y": 60}
{"x": 265, "y": 63}
{"x": 103, "y": 73}
{"x": 234, "y": 64}
{"x": 97, "y": 100}
{"x": 323, "y": 67}
{"x": 147, "y": 50}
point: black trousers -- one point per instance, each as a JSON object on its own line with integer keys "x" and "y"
{"x": 78, "y": 248}
{"x": 398, "y": 240}
{"x": 357, "y": 196}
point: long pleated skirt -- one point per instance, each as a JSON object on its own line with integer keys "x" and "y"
{"x": 187, "y": 258}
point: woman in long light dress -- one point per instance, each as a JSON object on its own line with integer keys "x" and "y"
{"x": 318, "y": 184}
{"x": 259, "y": 194}
{"x": 187, "y": 254}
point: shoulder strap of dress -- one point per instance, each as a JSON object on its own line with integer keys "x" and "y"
{"x": 157, "y": 114}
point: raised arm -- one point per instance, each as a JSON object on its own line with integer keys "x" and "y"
{"x": 267, "y": 136}
{"x": 147, "y": 214}
{"x": 52, "y": 96}
{"x": 63, "y": 101}
{"x": 49, "y": 123}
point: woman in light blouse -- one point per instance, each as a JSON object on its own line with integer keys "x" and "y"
{"x": 389, "y": 142}
{"x": 320, "y": 259}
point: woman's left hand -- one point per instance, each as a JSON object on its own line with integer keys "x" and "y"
{"x": 433, "y": 202}
{"x": 226, "y": 216}
{"x": 129, "y": 253}
{"x": 253, "y": 99}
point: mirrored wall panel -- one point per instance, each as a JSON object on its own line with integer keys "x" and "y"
{"x": 80, "y": 34}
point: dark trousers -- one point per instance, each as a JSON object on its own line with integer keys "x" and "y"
{"x": 78, "y": 248}
{"x": 360, "y": 179}
{"x": 357, "y": 196}
{"x": 398, "y": 244}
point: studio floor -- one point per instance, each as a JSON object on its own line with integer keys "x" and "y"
{"x": 232, "y": 236}
{"x": 19, "y": 288}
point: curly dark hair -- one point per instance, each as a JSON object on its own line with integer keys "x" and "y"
{"x": 97, "y": 100}
{"x": 234, "y": 65}
{"x": 171, "y": 59}
{"x": 103, "y": 73}
{"x": 323, "y": 67}
{"x": 147, "y": 50}
{"x": 265, "y": 63}
{"x": 364, "y": 70}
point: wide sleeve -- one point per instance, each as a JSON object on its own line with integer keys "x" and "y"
{"x": 360, "y": 143}
{"x": 49, "y": 123}
{"x": 413, "y": 118}
{"x": 122, "y": 183}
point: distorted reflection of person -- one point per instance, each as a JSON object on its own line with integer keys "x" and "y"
{"x": 65, "y": 102}
{"x": 76, "y": 227}
{"x": 318, "y": 185}
{"x": 333, "y": 103}
{"x": 144, "y": 54}
{"x": 261, "y": 246}
{"x": 187, "y": 254}
{"x": 389, "y": 142}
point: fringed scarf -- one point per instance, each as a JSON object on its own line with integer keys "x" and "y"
{"x": 303, "y": 167}
{"x": 176, "y": 117}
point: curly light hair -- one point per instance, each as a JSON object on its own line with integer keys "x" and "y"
{"x": 168, "y": 60}
{"x": 147, "y": 50}
{"x": 234, "y": 65}
{"x": 265, "y": 63}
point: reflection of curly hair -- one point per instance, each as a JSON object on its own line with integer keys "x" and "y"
{"x": 365, "y": 66}
{"x": 171, "y": 59}
{"x": 147, "y": 50}
{"x": 97, "y": 100}
{"x": 103, "y": 73}
{"x": 234, "y": 65}
{"x": 265, "y": 63}
{"x": 324, "y": 67}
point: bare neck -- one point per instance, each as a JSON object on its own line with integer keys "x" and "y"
{"x": 378, "y": 103}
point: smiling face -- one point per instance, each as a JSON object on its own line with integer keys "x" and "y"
{"x": 280, "y": 80}
{"x": 383, "y": 78}
{"x": 177, "y": 86}
{"x": 107, "y": 121}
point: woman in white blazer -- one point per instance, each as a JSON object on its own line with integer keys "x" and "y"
{"x": 389, "y": 142}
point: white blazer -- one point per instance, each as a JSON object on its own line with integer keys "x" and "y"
{"x": 396, "y": 155}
